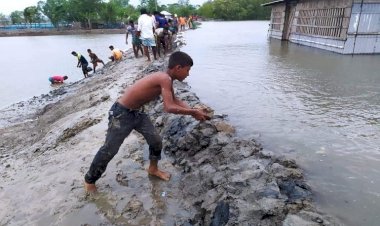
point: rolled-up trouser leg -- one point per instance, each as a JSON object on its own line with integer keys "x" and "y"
{"x": 84, "y": 68}
{"x": 151, "y": 136}
{"x": 114, "y": 139}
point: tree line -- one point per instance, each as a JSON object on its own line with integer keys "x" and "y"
{"x": 88, "y": 12}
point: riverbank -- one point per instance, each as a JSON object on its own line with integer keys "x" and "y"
{"x": 49, "y": 141}
{"x": 44, "y": 32}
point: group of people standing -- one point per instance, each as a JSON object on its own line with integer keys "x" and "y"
{"x": 153, "y": 32}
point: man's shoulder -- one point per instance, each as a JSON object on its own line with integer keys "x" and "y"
{"x": 163, "y": 77}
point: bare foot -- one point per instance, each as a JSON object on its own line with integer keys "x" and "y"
{"x": 90, "y": 188}
{"x": 158, "y": 173}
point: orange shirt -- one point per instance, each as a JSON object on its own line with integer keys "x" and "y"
{"x": 182, "y": 21}
{"x": 117, "y": 54}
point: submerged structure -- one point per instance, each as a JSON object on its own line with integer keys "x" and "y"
{"x": 342, "y": 26}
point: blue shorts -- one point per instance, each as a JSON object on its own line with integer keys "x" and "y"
{"x": 148, "y": 42}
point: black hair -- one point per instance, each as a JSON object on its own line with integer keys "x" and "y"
{"x": 65, "y": 77}
{"x": 111, "y": 47}
{"x": 73, "y": 52}
{"x": 131, "y": 21}
{"x": 143, "y": 11}
{"x": 180, "y": 58}
{"x": 88, "y": 50}
{"x": 156, "y": 12}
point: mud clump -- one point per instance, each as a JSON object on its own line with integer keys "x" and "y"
{"x": 77, "y": 128}
{"x": 228, "y": 179}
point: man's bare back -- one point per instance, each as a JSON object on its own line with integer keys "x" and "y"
{"x": 146, "y": 90}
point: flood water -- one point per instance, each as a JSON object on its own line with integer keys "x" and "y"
{"x": 317, "y": 107}
{"x": 321, "y": 108}
{"x": 27, "y": 62}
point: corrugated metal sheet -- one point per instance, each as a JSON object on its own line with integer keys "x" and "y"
{"x": 364, "y": 29}
{"x": 366, "y": 45}
{"x": 362, "y": 44}
{"x": 333, "y": 45}
{"x": 369, "y": 21}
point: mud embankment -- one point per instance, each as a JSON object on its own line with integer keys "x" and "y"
{"x": 48, "y": 143}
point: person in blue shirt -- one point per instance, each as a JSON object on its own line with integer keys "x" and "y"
{"x": 161, "y": 21}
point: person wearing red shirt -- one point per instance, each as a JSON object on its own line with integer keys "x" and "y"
{"x": 57, "y": 79}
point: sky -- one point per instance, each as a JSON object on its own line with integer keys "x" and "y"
{"x": 8, "y": 6}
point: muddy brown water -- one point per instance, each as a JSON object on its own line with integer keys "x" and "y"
{"x": 28, "y": 61}
{"x": 318, "y": 107}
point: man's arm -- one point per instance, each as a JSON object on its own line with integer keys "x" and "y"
{"x": 180, "y": 102}
{"x": 175, "y": 106}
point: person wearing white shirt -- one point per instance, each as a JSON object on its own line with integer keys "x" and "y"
{"x": 145, "y": 31}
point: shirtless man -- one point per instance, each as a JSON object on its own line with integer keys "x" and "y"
{"x": 94, "y": 59}
{"x": 125, "y": 115}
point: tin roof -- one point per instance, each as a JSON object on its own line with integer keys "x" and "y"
{"x": 273, "y": 3}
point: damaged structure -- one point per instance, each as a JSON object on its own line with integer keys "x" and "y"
{"x": 342, "y": 26}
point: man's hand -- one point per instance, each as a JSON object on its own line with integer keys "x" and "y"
{"x": 201, "y": 115}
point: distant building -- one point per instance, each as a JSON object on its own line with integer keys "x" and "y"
{"x": 342, "y": 26}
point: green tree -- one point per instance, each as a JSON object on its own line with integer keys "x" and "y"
{"x": 17, "y": 17}
{"x": 150, "y": 5}
{"x": 84, "y": 10}
{"x": 235, "y": 10}
{"x": 182, "y": 8}
{"x": 226, "y": 10}
{"x": 32, "y": 15}
{"x": 4, "y": 20}
{"x": 55, "y": 10}
{"x": 114, "y": 11}
{"x": 122, "y": 3}
{"x": 206, "y": 10}
{"x": 131, "y": 13}
{"x": 108, "y": 12}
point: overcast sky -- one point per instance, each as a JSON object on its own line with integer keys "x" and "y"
{"x": 8, "y": 6}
